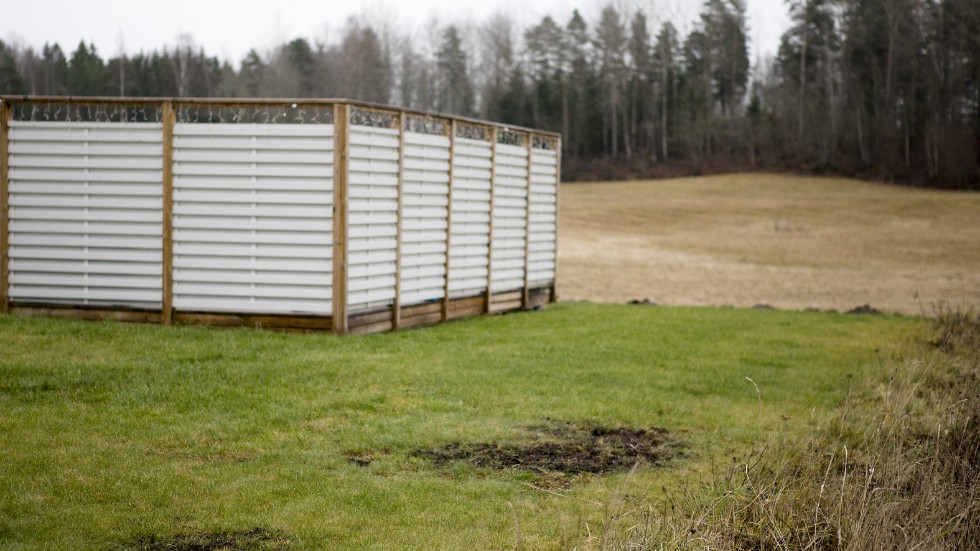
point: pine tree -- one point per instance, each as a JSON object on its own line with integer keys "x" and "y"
{"x": 454, "y": 92}
{"x": 11, "y": 81}
{"x": 86, "y": 72}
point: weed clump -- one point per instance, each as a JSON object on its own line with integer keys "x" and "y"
{"x": 957, "y": 328}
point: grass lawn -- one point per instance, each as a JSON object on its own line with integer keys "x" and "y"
{"x": 112, "y": 435}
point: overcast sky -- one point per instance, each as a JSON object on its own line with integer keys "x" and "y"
{"x": 229, "y": 28}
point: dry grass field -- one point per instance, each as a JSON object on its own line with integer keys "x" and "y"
{"x": 791, "y": 242}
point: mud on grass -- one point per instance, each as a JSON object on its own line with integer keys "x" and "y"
{"x": 253, "y": 539}
{"x": 564, "y": 448}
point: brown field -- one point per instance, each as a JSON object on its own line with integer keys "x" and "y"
{"x": 787, "y": 241}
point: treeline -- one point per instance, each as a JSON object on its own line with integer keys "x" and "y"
{"x": 886, "y": 88}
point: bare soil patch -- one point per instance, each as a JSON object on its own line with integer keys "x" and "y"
{"x": 565, "y": 448}
{"x": 791, "y": 242}
{"x": 253, "y": 539}
{"x": 864, "y": 309}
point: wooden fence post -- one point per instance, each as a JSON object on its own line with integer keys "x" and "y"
{"x": 554, "y": 282}
{"x": 396, "y": 313}
{"x": 493, "y": 177}
{"x": 449, "y": 218}
{"x": 526, "y": 298}
{"x": 167, "y": 305}
{"x": 4, "y": 210}
{"x": 341, "y": 134}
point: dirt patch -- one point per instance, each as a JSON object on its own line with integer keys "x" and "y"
{"x": 864, "y": 309}
{"x": 562, "y": 447}
{"x": 253, "y": 539}
{"x": 364, "y": 459}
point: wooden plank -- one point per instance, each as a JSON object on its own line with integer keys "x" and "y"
{"x": 467, "y": 307}
{"x": 509, "y": 295}
{"x": 90, "y": 314}
{"x": 467, "y": 312}
{"x": 397, "y": 308}
{"x": 258, "y": 321}
{"x": 449, "y": 218}
{"x": 421, "y": 310}
{"x": 554, "y": 283}
{"x": 527, "y": 221}
{"x": 340, "y": 189}
{"x": 376, "y": 327}
{"x": 506, "y": 306}
{"x": 493, "y": 176}
{"x": 169, "y": 119}
{"x": 368, "y": 318}
{"x": 418, "y": 321}
{"x": 4, "y": 210}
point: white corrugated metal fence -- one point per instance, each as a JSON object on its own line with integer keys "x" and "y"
{"x": 435, "y": 211}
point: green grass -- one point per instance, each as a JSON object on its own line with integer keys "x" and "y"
{"x": 111, "y": 432}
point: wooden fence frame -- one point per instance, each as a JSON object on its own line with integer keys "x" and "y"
{"x": 341, "y": 321}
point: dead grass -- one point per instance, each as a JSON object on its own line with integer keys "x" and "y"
{"x": 899, "y": 468}
{"x": 792, "y": 242}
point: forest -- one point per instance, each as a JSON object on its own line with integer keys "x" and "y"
{"x": 881, "y": 89}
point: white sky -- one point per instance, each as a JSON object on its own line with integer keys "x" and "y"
{"x": 229, "y": 28}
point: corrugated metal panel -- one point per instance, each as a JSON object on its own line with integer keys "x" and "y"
{"x": 253, "y": 218}
{"x": 509, "y": 218}
{"x": 372, "y": 217}
{"x": 543, "y": 217}
{"x": 472, "y": 161}
{"x": 425, "y": 206}
{"x": 86, "y": 213}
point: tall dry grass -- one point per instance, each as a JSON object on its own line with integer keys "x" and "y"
{"x": 897, "y": 468}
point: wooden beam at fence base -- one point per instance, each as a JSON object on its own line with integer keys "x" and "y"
{"x": 421, "y": 314}
{"x": 89, "y": 314}
{"x": 505, "y": 302}
{"x": 375, "y": 321}
{"x": 167, "y": 307}
{"x": 466, "y": 307}
{"x": 257, "y": 321}
{"x": 341, "y": 133}
{"x": 4, "y": 211}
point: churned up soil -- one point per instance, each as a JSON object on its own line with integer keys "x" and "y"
{"x": 565, "y": 448}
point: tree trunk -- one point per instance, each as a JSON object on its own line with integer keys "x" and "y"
{"x": 664, "y": 91}
{"x": 803, "y": 47}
